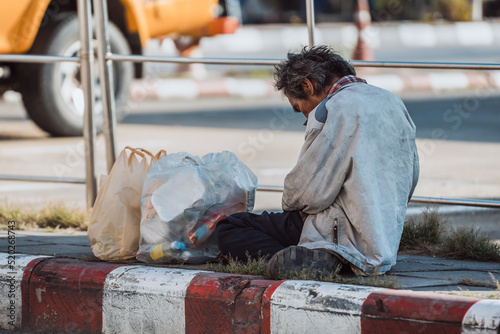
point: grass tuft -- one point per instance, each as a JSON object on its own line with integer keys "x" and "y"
{"x": 468, "y": 243}
{"x": 258, "y": 267}
{"x": 470, "y": 282}
{"x": 50, "y": 218}
{"x": 495, "y": 281}
{"x": 383, "y": 281}
{"x": 427, "y": 230}
{"x": 232, "y": 266}
{"x": 495, "y": 284}
{"x": 430, "y": 234}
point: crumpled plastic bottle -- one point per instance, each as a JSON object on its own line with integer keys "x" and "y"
{"x": 159, "y": 252}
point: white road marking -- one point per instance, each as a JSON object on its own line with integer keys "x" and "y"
{"x": 10, "y": 287}
{"x": 140, "y": 299}
{"x": 482, "y": 317}
{"x": 316, "y": 307}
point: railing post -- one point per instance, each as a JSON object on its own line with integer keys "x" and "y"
{"x": 310, "y": 21}
{"x": 87, "y": 80}
{"x": 362, "y": 19}
{"x": 106, "y": 79}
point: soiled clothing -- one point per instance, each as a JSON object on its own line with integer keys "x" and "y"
{"x": 355, "y": 175}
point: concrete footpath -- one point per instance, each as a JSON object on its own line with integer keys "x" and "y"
{"x": 53, "y": 283}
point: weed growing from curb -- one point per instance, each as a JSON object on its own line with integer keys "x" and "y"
{"x": 470, "y": 282}
{"x": 383, "y": 281}
{"x": 468, "y": 243}
{"x": 426, "y": 230}
{"x": 258, "y": 267}
{"x": 429, "y": 233}
{"x": 495, "y": 284}
{"x": 250, "y": 267}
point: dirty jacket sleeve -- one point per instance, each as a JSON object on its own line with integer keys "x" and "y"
{"x": 315, "y": 182}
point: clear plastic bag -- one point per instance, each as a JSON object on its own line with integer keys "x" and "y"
{"x": 183, "y": 198}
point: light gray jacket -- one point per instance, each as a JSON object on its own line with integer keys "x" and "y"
{"x": 356, "y": 172}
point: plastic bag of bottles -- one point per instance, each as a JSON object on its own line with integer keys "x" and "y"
{"x": 183, "y": 198}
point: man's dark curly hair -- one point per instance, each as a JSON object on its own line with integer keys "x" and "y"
{"x": 319, "y": 64}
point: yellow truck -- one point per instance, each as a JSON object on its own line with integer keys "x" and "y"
{"x": 51, "y": 92}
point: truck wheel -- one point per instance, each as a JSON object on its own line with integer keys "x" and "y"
{"x": 52, "y": 92}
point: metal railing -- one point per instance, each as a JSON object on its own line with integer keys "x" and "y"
{"x": 101, "y": 13}
{"x": 105, "y": 59}
{"x": 86, "y": 59}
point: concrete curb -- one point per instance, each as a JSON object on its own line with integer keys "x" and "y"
{"x": 51, "y": 294}
{"x": 164, "y": 89}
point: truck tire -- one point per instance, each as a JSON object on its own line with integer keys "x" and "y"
{"x": 52, "y": 93}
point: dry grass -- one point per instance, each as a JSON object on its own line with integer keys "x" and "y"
{"x": 432, "y": 235}
{"x": 494, "y": 284}
{"x": 469, "y": 243}
{"x": 50, "y": 218}
{"x": 231, "y": 266}
{"x": 258, "y": 267}
{"x": 423, "y": 232}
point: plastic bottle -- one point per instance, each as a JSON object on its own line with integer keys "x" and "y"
{"x": 205, "y": 226}
{"x": 205, "y": 229}
{"x": 166, "y": 251}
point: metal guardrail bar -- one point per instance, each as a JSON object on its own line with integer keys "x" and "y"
{"x": 106, "y": 79}
{"x": 272, "y": 62}
{"x": 186, "y": 60}
{"x": 275, "y": 189}
{"x": 37, "y": 59}
{"x": 420, "y": 199}
{"x": 248, "y": 61}
{"x": 426, "y": 65}
{"x": 87, "y": 80}
{"x": 310, "y": 21}
{"x": 456, "y": 201}
{"x": 51, "y": 179}
{"x": 85, "y": 60}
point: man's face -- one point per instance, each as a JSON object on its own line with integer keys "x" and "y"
{"x": 306, "y": 105}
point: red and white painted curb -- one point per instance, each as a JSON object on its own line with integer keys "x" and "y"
{"x": 66, "y": 295}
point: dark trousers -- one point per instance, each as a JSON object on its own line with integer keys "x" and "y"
{"x": 258, "y": 235}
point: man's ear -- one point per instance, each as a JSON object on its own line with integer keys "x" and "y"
{"x": 308, "y": 87}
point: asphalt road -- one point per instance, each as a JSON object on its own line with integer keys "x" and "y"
{"x": 459, "y": 146}
{"x": 460, "y": 117}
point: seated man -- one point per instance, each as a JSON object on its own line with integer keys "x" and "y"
{"x": 345, "y": 201}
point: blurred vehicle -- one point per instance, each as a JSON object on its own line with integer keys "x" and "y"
{"x": 51, "y": 92}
